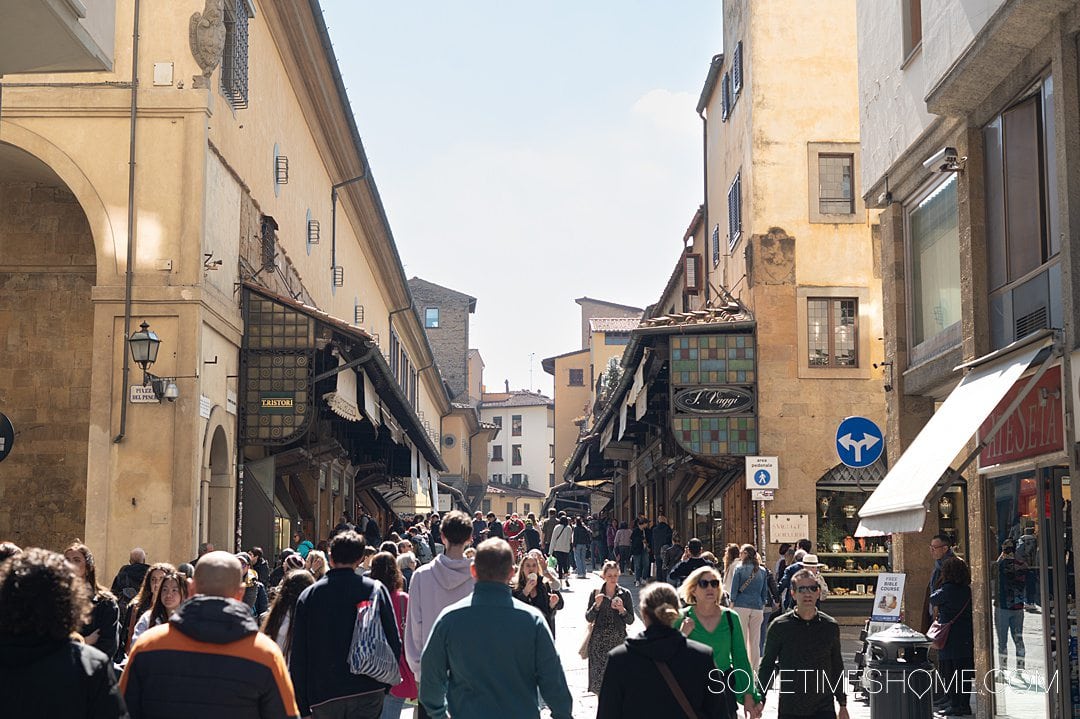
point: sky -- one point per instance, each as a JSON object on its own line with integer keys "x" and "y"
{"x": 530, "y": 153}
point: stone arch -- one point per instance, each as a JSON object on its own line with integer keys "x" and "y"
{"x": 218, "y": 495}
{"x": 48, "y": 268}
{"x": 107, "y": 245}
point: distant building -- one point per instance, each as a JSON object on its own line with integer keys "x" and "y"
{"x": 523, "y": 453}
{"x": 445, "y": 315}
{"x": 592, "y": 308}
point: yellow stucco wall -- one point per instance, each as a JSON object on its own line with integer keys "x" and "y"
{"x": 196, "y": 159}
{"x": 571, "y": 402}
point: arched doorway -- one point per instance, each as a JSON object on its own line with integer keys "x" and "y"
{"x": 220, "y": 494}
{"x": 47, "y": 270}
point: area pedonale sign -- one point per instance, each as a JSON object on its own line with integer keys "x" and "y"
{"x": 1037, "y": 427}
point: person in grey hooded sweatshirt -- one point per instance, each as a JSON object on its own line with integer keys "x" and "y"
{"x": 435, "y": 586}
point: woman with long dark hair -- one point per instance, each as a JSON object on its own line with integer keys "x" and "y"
{"x": 145, "y": 597}
{"x": 171, "y": 593}
{"x": 103, "y": 629}
{"x": 952, "y": 603}
{"x": 384, "y": 568}
{"x": 278, "y": 622}
{"x": 749, "y": 595}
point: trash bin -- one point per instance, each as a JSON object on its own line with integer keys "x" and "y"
{"x": 899, "y": 675}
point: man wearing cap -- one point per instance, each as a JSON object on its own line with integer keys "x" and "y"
{"x": 210, "y": 654}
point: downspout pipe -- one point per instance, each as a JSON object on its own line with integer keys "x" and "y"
{"x": 333, "y": 218}
{"x": 129, "y": 274}
{"x": 707, "y": 259}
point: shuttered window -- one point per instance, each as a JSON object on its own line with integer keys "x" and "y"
{"x": 692, "y": 269}
{"x": 736, "y": 70}
{"x": 725, "y": 97}
{"x": 734, "y": 206}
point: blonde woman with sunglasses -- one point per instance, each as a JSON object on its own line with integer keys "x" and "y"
{"x": 705, "y": 620}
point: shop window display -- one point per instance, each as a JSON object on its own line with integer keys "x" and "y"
{"x": 1032, "y": 593}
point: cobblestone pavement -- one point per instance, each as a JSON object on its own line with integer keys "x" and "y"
{"x": 570, "y": 630}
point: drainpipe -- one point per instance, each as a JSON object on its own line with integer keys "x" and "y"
{"x": 707, "y": 259}
{"x": 130, "y": 273}
{"x": 333, "y": 218}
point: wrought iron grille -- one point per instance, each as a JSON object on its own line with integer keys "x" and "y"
{"x": 268, "y": 241}
{"x": 234, "y": 60}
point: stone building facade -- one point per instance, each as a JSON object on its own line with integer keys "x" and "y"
{"x": 445, "y": 313}
{"x": 212, "y": 197}
{"x": 969, "y": 143}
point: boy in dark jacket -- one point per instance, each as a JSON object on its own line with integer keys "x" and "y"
{"x": 322, "y": 633}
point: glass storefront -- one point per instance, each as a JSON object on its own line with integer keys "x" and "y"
{"x": 1034, "y": 638}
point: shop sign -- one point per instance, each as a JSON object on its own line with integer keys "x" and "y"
{"x": 713, "y": 380}
{"x": 276, "y": 403}
{"x": 788, "y": 528}
{"x": 1035, "y": 428}
{"x": 714, "y": 400}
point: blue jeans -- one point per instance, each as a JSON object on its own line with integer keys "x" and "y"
{"x": 641, "y": 561}
{"x": 579, "y": 559}
{"x": 391, "y": 708}
{"x": 1010, "y": 622}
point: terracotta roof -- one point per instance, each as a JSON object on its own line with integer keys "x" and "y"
{"x": 733, "y": 311}
{"x": 613, "y": 324}
{"x": 507, "y": 489}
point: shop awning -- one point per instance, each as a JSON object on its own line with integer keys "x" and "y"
{"x": 899, "y": 503}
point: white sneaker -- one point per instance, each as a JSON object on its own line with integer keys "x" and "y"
{"x": 637, "y": 583}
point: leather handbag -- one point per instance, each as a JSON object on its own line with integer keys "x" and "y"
{"x": 938, "y": 633}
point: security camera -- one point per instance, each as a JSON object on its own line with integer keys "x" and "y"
{"x": 944, "y": 160}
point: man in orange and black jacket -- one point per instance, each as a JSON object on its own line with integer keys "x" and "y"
{"x": 209, "y": 660}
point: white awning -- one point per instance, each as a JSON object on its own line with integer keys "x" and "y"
{"x": 899, "y": 502}
{"x": 343, "y": 399}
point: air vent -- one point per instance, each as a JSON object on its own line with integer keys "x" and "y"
{"x": 1031, "y": 322}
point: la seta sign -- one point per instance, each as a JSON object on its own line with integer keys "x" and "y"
{"x": 1037, "y": 427}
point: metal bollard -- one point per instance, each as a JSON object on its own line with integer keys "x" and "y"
{"x": 899, "y": 676}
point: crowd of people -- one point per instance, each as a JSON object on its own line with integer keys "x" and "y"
{"x": 454, "y": 614}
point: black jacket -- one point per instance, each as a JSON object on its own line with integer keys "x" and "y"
{"x": 637, "y": 541}
{"x": 953, "y": 601}
{"x": 209, "y": 661}
{"x": 581, "y": 536}
{"x": 104, "y": 619}
{"x": 685, "y": 568}
{"x": 634, "y": 687}
{"x": 661, "y": 535}
{"x": 56, "y": 678}
{"x": 532, "y": 538}
{"x": 495, "y": 529}
{"x": 128, "y": 581}
{"x": 323, "y": 624}
{"x": 541, "y": 601}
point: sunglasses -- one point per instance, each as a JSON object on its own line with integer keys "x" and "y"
{"x": 807, "y": 588}
{"x": 706, "y": 583}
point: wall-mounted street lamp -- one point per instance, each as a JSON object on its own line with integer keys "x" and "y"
{"x": 144, "y": 346}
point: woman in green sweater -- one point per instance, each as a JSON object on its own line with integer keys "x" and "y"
{"x": 705, "y": 621}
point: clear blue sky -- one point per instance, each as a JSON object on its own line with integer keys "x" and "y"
{"x": 530, "y": 153}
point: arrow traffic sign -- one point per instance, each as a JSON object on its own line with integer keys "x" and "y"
{"x": 858, "y": 442}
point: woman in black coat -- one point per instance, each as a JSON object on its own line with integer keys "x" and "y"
{"x": 953, "y": 604}
{"x": 532, "y": 587}
{"x": 634, "y": 686}
{"x": 46, "y": 672}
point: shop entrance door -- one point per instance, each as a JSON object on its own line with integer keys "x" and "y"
{"x": 1031, "y": 590}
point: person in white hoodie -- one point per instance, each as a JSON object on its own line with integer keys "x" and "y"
{"x": 435, "y": 586}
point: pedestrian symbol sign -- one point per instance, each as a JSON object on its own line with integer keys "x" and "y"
{"x": 761, "y": 473}
{"x": 859, "y": 442}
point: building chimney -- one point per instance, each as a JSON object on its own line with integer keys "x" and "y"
{"x": 507, "y": 382}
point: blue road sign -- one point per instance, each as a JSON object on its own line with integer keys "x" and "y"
{"x": 762, "y": 478}
{"x": 859, "y": 442}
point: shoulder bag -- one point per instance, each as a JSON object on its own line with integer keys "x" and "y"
{"x": 583, "y": 651}
{"x": 938, "y": 633}
{"x": 747, "y": 582}
{"x": 680, "y": 695}
{"x": 369, "y": 651}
